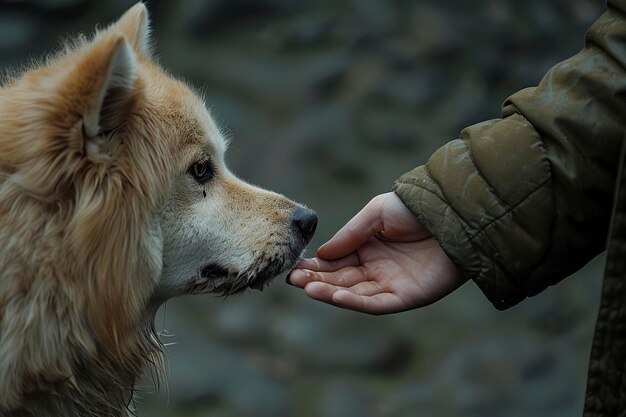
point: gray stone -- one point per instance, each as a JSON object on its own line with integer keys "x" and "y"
{"x": 59, "y": 5}
{"x": 400, "y": 54}
{"x": 326, "y": 136}
{"x": 546, "y": 19}
{"x": 262, "y": 398}
{"x": 491, "y": 374}
{"x": 344, "y": 399}
{"x": 17, "y": 30}
{"x": 241, "y": 320}
{"x": 330, "y": 342}
{"x": 308, "y": 30}
{"x": 389, "y": 130}
{"x": 419, "y": 87}
{"x": 435, "y": 32}
{"x": 323, "y": 73}
{"x": 410, "y": 398}
{"x": 203, "y": 373}
{"x": 376, "y": 16}
{"x": 215, "y": 412}
{"x": 210, "y": 17}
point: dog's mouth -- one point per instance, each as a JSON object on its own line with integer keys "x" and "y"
{"x": 237, "y": 281}
{"x": 278, "y": 257}
{"x": 223, "y": 281}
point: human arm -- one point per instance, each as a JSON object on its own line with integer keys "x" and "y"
{"x": 521, "y": 202}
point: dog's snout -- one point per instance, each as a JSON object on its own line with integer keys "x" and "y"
{"x": 305, "y": 221}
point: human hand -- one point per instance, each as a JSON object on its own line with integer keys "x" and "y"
{"x": 382, "y": 261}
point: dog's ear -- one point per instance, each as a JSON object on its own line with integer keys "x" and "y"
{"x": 105, "y": 81}
{"x": 135, "y": 25}
{"x": 103, "y": 88}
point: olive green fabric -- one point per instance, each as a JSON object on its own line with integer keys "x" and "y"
{"x": 606, "y": 385}
{"x": 521, "y": 202}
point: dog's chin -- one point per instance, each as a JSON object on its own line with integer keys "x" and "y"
{"x": 222, "y": 281}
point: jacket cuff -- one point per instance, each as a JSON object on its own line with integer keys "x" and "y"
{"x": 420, "y": 193}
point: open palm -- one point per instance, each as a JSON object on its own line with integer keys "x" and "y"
{"x": 382, "y": 261}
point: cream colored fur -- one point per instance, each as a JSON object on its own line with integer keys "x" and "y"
{"x": 101, "y": 220}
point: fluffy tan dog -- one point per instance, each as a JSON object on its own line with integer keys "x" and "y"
{"x": 114, "y": 196}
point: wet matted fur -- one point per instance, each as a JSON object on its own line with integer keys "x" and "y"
{"x": 114, "y": 197}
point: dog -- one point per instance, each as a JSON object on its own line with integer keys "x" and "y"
{"x": 114, "y": 197}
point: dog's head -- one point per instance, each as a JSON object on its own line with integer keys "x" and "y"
{"x": 116, "y": 170}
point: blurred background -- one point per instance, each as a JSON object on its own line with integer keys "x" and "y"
{"x": 328, "y": 102}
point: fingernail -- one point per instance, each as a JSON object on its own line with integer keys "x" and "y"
{"x": 297, "y": 275}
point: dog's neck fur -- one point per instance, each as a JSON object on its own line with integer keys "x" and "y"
{"x": 101, "y": 386}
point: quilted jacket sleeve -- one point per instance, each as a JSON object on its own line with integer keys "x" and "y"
{"x": 521, "y": 202}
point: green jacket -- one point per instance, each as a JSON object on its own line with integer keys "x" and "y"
{"x": 521, "y": 202}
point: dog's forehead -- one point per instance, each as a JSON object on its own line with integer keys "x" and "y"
{"x": 185, "y": 112}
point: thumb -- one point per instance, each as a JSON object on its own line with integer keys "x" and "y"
{"x": 356, "y": 232}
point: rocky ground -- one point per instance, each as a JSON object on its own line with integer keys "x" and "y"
{"x": 329, "y": 101}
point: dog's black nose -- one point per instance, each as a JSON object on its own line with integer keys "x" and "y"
{"x": 305, "y": 221}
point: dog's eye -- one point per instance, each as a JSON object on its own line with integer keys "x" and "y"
{"x": 202, "y": 171}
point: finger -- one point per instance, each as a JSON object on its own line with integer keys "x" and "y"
{"x": 321, "y": 291}
{"x": 322, "y": 265}
{"x": 346, "y": 277}
{"x": 357, "y": 231}
{"x": 382, "y": 303}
